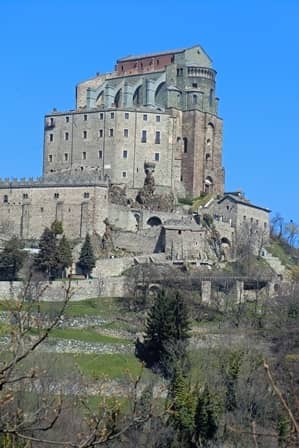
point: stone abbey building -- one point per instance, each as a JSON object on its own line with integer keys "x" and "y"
{"x": 154, "y": 113}
{"x": 158, "y": 108}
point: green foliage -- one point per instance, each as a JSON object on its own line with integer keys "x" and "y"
{"x": 64, "y": 254}
{"x": 205, "y": 420}
{"x": 57, "y": 227}
{"x": 12, "y": 259}
{"x": 167, "y": 332}
{"x": 87, "y": 259}
{"x": 45, "y": 261}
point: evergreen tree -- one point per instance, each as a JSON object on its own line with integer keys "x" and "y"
{"x": 57, "y": 227}
{"x": 11, "y": 259}
{"x": 46, "y": 259}
{"x": 167, "y": 332}
{"x": 63, "y": 254}
{"x": 205, "y": 420}
{"x": 87, "y": 259}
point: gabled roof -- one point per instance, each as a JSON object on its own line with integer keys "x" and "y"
{"x": 238, "y": 198}
{"x": 149, "y": 55}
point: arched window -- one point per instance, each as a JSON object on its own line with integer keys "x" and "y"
{"x": 209, "y": 184}
{"x": 194, "y": 99}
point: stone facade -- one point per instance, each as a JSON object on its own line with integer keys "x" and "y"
{"x": 157, "y": 108}
{"x": 27, "y": 208}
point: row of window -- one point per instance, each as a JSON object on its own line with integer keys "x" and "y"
{"x": 112, "y": 115}
{"x": 111, "y": 134}
{"x": 56, "y": 196}
{"x": 84, "y": 157}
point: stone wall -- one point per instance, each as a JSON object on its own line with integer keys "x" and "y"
{"x": 142, "y": 242}
{"x": 55, "y": 291}
{"x": 112, "y": 267}
{"x": 26, "y": 210}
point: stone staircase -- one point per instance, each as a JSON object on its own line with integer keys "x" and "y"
{"x": 275, "y": 264}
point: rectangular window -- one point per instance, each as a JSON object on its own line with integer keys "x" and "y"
{"x": 144, "y": 117}
{"x": 158, "y": 118}
{"x": 143, "y": 137}
{"x": 25, "y": 195}
{"x": 127, "y": 115}
{"x": 86, "y": 195}
{"x": 67, "y": 119}
{"x": 5, "y": 199}
{"x": 50, "y": 158}
{"x": 112, "y": 115}
{"x": 157, "y": 156}
{"x": 66, "y": 136}
{"x": 126, "y": 132}
{"x": 157, "y": 138}
{"x": 124, "y": 174}
{"x": 101, "y": 133}
{"x": 110, "y": 132}
{"x": 51, "y": 137}
{"x": 66, "y": 156}
{"x": 101, "y": 116}
{"x": 84, "y": 155}
{"x": 85, "y": 134}
{"x": 51, "y": 121}
{"x": 100, "y": 154}
{"x": 85, "y": 117}
{"x": 125, "y": 154}
{"x": 56, "y": 195}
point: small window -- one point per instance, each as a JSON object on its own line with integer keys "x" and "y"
{"x": 85, "y": 134}
{"x": 86, "y": 195}
{"x": 66, "y": 136}
{"x": 101, "y": 116}
{"x": 25, "y": 195}
{"x": 158, "y": 118}
{"x": 112, "y": 115}
{"x": 51, "y": 121}
{"x": 157, "y": 138}
{"x": 127, "y": 115}
{"x": 66, "y": 157}
{"x": 50, "y": 158}
{"x": 5, "y": 199}
{"x": 185, "y": 140}
{"x": 81, "y": 168}
{"x": 244, "y": 218}
{"x": 67, "y": 119}
{"x": 157, "y": 156}
{"x": 110, "y": 132}
{"x": 257, "y": 222}
{"x": 144, "y": 117}
{"x": 265, "y": 225}
{"x": 194, "y": 99}
{"x": 84, "y": 155}
{"x": 157, "y": 61}
{"x": 56, "y": 195}
{"x": 101, "y": 133}
{"x": 100, "y": 154}
{"x": 124, "y": 174}
{"x": 126, "y": 132}
{"x": 51, "y": 137}
{"x": 125, "y": 154}
{"x": 143, "y": 137}
{"x": 85, "y": 117}
{"x": 194, "y": 85}
{"x": 42, "y": 209}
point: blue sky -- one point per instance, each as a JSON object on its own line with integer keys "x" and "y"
{"x": 49, "y": 46}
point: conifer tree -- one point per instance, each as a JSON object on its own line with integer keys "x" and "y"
{"x": 167, "y": 332}
{"x": 11, "y": 259}
{"x": 87, "y": 259}
{"x": 205, "y": 420}
{"x": 46, "y": 259}
{"x": 64, "y": 254}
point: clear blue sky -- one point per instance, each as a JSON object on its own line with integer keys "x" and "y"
{"x": 48, "y": 46}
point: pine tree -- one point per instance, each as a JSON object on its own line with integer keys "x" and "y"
{"x": 12, "y": 259}
{"x": 46, "y": 259}
{"x": 87, "y": 259}
{"x": 205, "y": 421}
{"x": 64, "y": 254}
{"x": 167, "y": 332}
